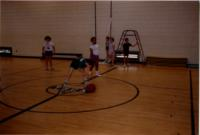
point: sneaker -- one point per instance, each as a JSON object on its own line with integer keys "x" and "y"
{"x": 83, "y": 90}
{"x": 98, "y": 74}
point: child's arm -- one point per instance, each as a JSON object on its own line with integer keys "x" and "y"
{"x": 134, "y": 44}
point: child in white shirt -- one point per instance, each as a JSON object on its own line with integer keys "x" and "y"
{"x": 94, "y": 56}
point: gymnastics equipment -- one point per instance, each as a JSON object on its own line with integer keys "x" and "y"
{"x": 136, "y": 55}
{"x": 5, "y": 51}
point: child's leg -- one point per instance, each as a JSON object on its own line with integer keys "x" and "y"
{"x": 127, "y": 60}
{"x": 109, "y": 58}
{"x": 97, "y": 66}
{"x": 85, "y": 75}
{"x": 46, "y": 62}
{"x": 113, "y": 59}
{"x": 68, "y": 76}
{"x": 64, "y": 86}
{"x": 124, "y": 59}
{"x": 91, "y": 65}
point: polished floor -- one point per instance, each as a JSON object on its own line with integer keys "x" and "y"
{"x": 134, "y": 100}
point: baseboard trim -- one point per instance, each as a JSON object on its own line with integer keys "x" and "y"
{"x": 193, "y": 65}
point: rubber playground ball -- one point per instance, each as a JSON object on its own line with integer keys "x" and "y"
{"x": 90, "y": 88}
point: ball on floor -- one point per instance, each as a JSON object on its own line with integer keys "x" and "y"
{"x": 90, "y": 88}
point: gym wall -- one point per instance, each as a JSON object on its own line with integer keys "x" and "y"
{"x": 0, "y": 23}
{"x": 25, "y": 24}
{"x": 166, "y": 28}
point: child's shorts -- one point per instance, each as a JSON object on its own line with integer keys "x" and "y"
{"x": 126, "y": 53}
{"x": 78, "y": 64}
{"x": 48, "y": 53}
{"x": 94, "y": 58}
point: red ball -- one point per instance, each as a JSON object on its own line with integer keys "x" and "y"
{"x": 90, "y": 88}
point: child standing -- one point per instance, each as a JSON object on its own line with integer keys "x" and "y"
{"x": 111, "y": 51}
{"x": 94, "y": 56}
{"x": 48, "y": 50}
{"x": 107, "y": 47}
{"x": 126, "y": 46}
{"x": 78, "y": 64}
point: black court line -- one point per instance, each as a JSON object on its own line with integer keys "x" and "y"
{"x": 191, "y": 104}
{"x": 93, "y": 77}
{"x": 44, "y": 101}
{"x": 27, "y": 109}
{"x": 92, "y": 109}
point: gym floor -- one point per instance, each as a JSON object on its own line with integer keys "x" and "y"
{"x": 140, "y": 100}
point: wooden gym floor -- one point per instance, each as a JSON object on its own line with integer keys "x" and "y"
{"x": 138, "y": 100}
